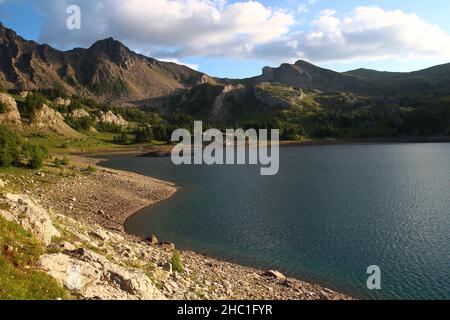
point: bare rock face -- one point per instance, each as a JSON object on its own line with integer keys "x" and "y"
{"x": 47, "y": 119}
{"x": 62, "y": 102}
{"x": 79, "y": 113}
{"x": 11, "y": 115}
{"x": 94, "y": 277}
{"x": 31, "y": 217}
{"x": 110, "y": 117}
{"x": 28, "y": 65}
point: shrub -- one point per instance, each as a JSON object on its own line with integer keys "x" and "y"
{"x": 116, "y": 87}
{"x": 35, "y": 154}
{"x": 121, "y": 138}
{"x": 3, "y": 107}
{"x": 91, "y": 169}
{"x": 65, "y": 161}
{"x": 57, "y": 163}
{"x": 144, "y": 135}
{"x": 176, "y": 261}
{"x": 80, "y": 124}
{"x": 33, "y": 103}
{"x": 109, "y": 127}
{"x": 9, "y": 147}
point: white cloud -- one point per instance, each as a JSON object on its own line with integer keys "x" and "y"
{"x": 302, "y": 7}
{"x": 305, "y": 6}
{"x": 173, "y": 28}
{"x": 367, "y": 33}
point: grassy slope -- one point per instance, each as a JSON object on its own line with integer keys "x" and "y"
{"x": 19, "y": 278}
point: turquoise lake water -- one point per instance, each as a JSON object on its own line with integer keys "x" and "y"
{"x": 331, "y": 212}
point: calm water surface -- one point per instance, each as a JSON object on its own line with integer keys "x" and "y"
{"x": 330, "y": 213}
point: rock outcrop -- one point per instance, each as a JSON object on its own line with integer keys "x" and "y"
{"x": 47, "y": 119}
{"x": 94, "y": 277}
{"x": 79, "y": 113}
{"x": 10, "y": 115}
{"x": 111, "y": 118}
{"x": 88, "y": 274}
{"x": 30, "y": 216}
{"x": 62, "y": 102}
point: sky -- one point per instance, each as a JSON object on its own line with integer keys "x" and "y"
{"x": 238, "y": 38}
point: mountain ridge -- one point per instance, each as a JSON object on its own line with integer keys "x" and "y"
{"x": 111, "y": 72}
{"x": 108, "y": 70}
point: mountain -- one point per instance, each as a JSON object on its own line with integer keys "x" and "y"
{"x": 305, "y": 75}
{"x": 431, "y": 80}
{"x": 370, "y": 74}
{"x": 107, "y": 69}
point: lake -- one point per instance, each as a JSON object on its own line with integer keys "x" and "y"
{"x": 331, "y": 212}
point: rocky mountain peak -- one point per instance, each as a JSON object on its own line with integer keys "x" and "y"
{"x": 302, "y": 63}
{"x": 5, "y": 32}
{"x": 107, "y": 44}
{"x": 114, "y": 49}
{"x": 108, "y": 70}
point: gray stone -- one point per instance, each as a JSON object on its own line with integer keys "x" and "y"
{"x": 153, "y": 240}
{"x": 275, "y": 274}
{"x": 167, "y": 267}
{"x": 168, "y": 246}
{"x": 94, "y": 277}
{"x": 32, "y": 217}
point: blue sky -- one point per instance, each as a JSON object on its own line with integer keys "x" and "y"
{"x": 238, "y": 38}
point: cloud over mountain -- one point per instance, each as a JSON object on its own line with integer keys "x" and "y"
{"x": 248, "y": 29}
{"x": 169, "y": 28}
{"x": 367, "y": 33}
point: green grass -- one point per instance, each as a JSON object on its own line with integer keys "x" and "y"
{"x": 62, "y": 145}
{"x": 21, "y": 179}
{"x": 91, "y": 169}
{"x": 19, "y": 278}
{"x": 90, "y": 142}
{"x": 176, "y": 261}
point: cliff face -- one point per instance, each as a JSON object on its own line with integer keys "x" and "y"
{"x": 9, "y": 114}
{"x": 106, "y": 70}
{"x": 110, "y": 117}
{"x": 47, "y": 119}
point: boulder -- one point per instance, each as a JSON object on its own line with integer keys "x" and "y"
{"x": 168, "y": 246}
{"x": 167, "y": 267}
{"x": 32, "y": 217}
{"x": 10, "y": 116}
{"x": 152, "y": 240}
{"x": 62, "y": 102}
{"x": 275, "y": 274}
{"x": 95, "y": 277}
{"x": 65, "y": 246}
{"x": 24, "y": 94}
{"x": 80, "y": 113}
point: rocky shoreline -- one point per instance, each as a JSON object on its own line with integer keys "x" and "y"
{"x": 107, "y": 197}
{"x": 89, "y": 211}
